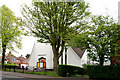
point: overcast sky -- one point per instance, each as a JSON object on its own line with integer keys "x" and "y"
{"x": 97, "y": 7}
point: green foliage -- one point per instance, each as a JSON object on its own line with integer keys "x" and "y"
{"x": 53, "y": 22}
{"x": 85, "y": 66}
{"x": 103, "y": 72}
{"x": 49, "y": 73}
{"x": 68, "y": 70}
{"x": 99, "y": 38}
{"x": 10, "y": 64}
{"x": 10, "y": 29}
{"x": 27, "y": 56}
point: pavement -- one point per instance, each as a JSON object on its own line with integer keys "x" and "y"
{"x": 24, "y": 76}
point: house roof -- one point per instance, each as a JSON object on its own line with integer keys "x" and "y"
{"x": 78, "y": 51}
{"x": 10, "y": 55}
{"x": 21, "y": 58}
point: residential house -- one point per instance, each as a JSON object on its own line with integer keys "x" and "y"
{"x": 20, "y": 61}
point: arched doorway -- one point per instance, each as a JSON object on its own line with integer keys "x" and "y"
{"x": 42, "y": 63}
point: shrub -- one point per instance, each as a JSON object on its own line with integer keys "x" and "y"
{"x": 106, "y": 72}
{"x": 68, "y": 70}
{"x": 10, "y": 64}
{"x": 85, "y": 68}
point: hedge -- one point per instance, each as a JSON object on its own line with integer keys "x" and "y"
{"x": 68, "y": 70}
{"x": 10, "y": 64}
{"x": 103, "y": 72}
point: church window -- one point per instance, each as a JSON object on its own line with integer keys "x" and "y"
{"x": 41, "y": 63}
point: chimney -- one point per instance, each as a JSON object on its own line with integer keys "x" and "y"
{"x": 9, "y": 52}
{"x": 119, "y": 12}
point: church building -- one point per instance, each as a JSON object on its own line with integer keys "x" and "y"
{"x": 42, "y": 56}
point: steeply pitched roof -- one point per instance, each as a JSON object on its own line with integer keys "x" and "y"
{"x": 78, "y": 51}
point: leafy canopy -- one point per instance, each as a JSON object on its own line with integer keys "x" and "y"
{"x": 99, "y": 38}
{"x": 10, "y": 29}
{"x": 58, "y": 19}
{"x": 55, "y": 23}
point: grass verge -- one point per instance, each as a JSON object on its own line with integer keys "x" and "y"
{"x": 47, "y": 73}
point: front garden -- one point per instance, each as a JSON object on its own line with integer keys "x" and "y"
{"x": 91, "y": 71}
{"x": 63, "y": 71}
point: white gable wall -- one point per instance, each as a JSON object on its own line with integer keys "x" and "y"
{"x": 49, "y": 60}
{"x": 73, "y": 58}
{"x": 41, "y": 50}
{"x": 32, "y": 58}
{"x": 84, "y": 58}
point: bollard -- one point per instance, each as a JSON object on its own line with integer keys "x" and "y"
{"x": 33, "y": 69}
{"x": 14, "y": 69}
{"x": 5, "y": 68}
{"x": 23, "y": 68}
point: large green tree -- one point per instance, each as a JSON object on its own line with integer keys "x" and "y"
{"x": 100, "y": 39}
{"x": 10, "y": 30}
{"x": 53, "y": 22}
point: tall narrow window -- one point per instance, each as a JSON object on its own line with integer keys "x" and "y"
{"x": 38, "y": 64}
{"x": 41, "y": 63}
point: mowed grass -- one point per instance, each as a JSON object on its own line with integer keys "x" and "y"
{"x": 48, "y": 73}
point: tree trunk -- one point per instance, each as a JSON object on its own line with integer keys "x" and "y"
{"x": 55, "y": 59}
{"x": 101, "y": 59}
{"x": 55, "y": 66}
{"x": 65, "y": 55}
{"x": 62, "y": 59}
{"x": 3, "y": 55}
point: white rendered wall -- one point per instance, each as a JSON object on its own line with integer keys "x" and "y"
{"x": 73, "y": 58}
{"x": 49, "y": 59}
{"x": 38, "y": 50}
{"x": 84, "y": 58}
{"x": 63, "y": 58}
{"x": 46, "y": 50}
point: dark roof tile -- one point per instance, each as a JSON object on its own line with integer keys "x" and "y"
{"x": 79, "y": 51}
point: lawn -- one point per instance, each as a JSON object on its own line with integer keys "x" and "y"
{"x": 48, "y": 73}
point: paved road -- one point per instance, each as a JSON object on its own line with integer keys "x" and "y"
{"x": 8, "y": 76}
{"x": 23, "y": 76}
